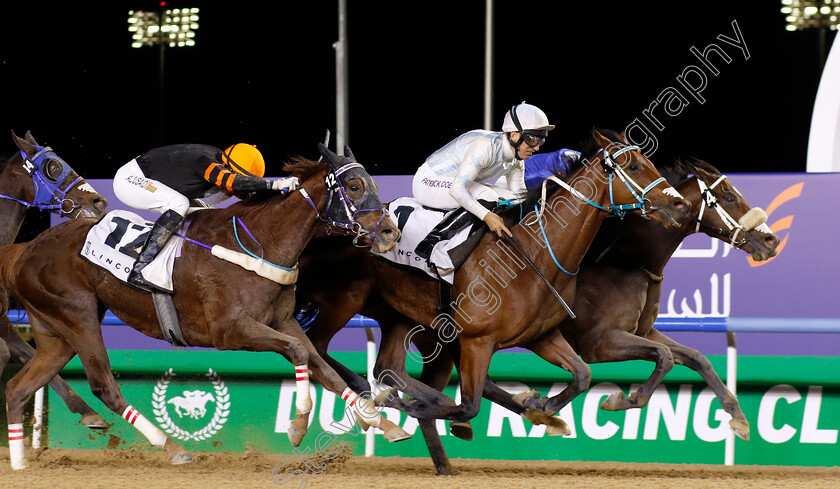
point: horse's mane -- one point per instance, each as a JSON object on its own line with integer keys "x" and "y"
{"x": 299, "y": 167}
{"x": 589, "y": 148}
{"x": 681, "y": 170}
{"x": 303, "y": 168}
{"x": 5, "y": 161}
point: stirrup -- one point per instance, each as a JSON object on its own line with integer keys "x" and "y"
{"x": 424, "y": 248}
{"x": 135, "y": 278}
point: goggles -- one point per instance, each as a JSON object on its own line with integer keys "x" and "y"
{"x": 534, "y": 138}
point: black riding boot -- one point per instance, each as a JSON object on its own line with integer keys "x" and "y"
{"x": 447, "y": 229}
{"x": 165, "y": 225}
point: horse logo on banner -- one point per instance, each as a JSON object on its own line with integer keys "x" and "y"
{"x": 191, "y": 405}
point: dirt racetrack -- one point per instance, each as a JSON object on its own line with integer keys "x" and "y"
{"x": 112, "y": 469}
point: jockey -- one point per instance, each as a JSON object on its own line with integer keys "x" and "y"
{"x": 165, "y": 179}
{"x": 458, "y": 175}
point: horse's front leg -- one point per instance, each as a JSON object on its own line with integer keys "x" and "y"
{"x": 616, "y": 345}
{"x": 363, "y": 406}
{"x": 696, "y": 361}
{"x": 553, "y": 348}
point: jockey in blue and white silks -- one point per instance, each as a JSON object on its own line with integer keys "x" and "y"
{"x": 461, "y": 173}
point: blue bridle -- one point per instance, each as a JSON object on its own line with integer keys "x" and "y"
{"x": 47, "y": 189}
{"x": 612, "y": 168}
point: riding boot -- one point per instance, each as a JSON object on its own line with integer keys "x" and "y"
{"x": 165, "y": 225}
{"x": 446, "y": 229}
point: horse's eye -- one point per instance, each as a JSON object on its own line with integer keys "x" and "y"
{"x": 355, "y": 188}
{"x": 52, "y": 169}
{"x": 633, "y": 167}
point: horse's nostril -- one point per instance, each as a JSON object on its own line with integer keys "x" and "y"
{"x": 100, "y": 203}
{"x": 680, "y": 205}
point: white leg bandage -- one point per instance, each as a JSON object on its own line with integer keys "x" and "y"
{"x": 155, "y": 436}
{"x": 16, "y": 455}
{"x": 303, "y": 403}
{"x": 365, "y": 408}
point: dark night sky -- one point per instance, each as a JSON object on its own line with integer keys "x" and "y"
{"x": 416, "y": 78}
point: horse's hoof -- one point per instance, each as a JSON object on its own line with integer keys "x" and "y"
{"x": 20, "y": 465}
{"x": 182, "y": 458}
{"x": 298, "y": 428}
{"x": 462, "y": 430}
{"x": 616, "y": 402}
{"x": 554, "y": 425}
{"x": 741, "y": 428}
{"x": 94, "y": 422}
{"x": 396, "y": 434}
{"x": 524, "y": 398}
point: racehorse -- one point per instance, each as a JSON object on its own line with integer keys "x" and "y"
{"x": 620, "y": 285}
{"x": 620, "y": 278}
{"x": 495, "y": 291}
{"x": 35, "y": 177}
{"x": 219, "y": 304}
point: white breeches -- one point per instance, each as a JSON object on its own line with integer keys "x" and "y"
{"x": 435, "y": 192}
{"x": 135, "y": 190}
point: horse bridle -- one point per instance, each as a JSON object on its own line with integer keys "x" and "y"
{"x": 709, "y": 200}
{"x": 613, "y": 169}
{"x": 337, "y": 194}
{"x": 47, "y": 189}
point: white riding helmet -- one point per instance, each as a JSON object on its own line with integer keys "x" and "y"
{"x": 523, "y": 117}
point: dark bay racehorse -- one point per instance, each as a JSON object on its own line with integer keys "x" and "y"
{"x": 219, "y": 304}
{"x": 495, "y": 292}
{"x": 34, "y": 176}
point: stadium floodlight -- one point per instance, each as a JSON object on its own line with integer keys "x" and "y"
{"x": 809, "y": 14}
{"x": 172, "y": 27}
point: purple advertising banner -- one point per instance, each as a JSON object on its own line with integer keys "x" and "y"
{"x": 705, "y": 277}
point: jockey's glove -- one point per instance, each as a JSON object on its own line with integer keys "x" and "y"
{"x": 285, "y": 185}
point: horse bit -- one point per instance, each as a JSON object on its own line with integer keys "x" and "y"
{"x": 46, "y": 187}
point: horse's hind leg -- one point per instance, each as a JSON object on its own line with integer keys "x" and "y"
{"x": 696, "y": 361}
{"x": 47, "y": 362}
{"x": 21, "y": 352}
{"x": 4, "y": 355}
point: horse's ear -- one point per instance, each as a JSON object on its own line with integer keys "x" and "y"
{"x": 31, "y": 139}
{"x": 600, "y": 139}
{"x": 623, "y": 138}
{"x": 349, "y": 154}
{"x": 23, "y": 144}
{"x": 329, "y": 155}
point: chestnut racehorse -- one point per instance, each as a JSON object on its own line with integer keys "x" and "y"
{"x": 219, "y": 304}
{"x": 35, "y": 177}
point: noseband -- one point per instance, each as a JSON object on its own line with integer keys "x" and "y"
{"x": 47, "y": 189}
{"x": 708, "y": 199}
{"x": 336, "y": 195}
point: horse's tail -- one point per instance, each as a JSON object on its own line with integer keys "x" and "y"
{"x": 9, "y": 256}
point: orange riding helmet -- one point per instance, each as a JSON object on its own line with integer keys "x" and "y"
{"x": 244, "y": 159}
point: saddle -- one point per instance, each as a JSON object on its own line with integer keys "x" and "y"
{"x": 415, "y": 221}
